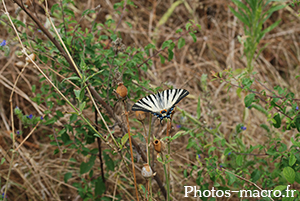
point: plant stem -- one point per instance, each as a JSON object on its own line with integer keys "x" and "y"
{"x": 148, "y": 154}
{"x": 167, "y": 159}
{"x": 166, "y": 175}
{"x": 131, "y": 153}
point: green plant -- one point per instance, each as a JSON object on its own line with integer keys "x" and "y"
{"x": 86, "y": 66}
{"x": 253, "y": 15}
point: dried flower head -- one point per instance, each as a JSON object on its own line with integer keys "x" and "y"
{"x": 147, "y": 171}
{"x": 140, "y": 115}
{"x": 118, "y": 46}
{"x": 20, "y": 64}
{"x": 30, "y": 58}
{"x": 159, "y": 145}
{"x": 121, "y": 91}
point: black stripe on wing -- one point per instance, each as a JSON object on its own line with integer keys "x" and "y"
{"x": 176, "y": 91}
{"x": 145, "y": 104}
{"x": 183, "y": 93}
{"x": 139, "y": 107}
{"x": 153, "y": 101}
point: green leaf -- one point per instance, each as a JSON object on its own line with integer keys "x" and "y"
{"x": 264, "y": 126}
{"x": 240, "y": 5}
{"x": 297, "y": 123}
{"x": 89, "y": 77}
{"x": 211, "y": 149}
{"x": 297, "y": 178}
{"x": 247, "y": 82}
{"x": 193, "y": 36}
{"x": 227, "y": 151}
{"x": 270, "y": 28}
{"x": 50, "y": 121}
{"x": 187, "y": 26}
{"x": 289, "y": 174}
{"x": 171, "y": 54}
{"x": 249, "y": 99}
{"x": 82, "y": 91}
{"x": 99, "y": 187}
{"x": 275, "y": 8}
{"x": 191, "y": 143}
{"x": 240, "y": 17}
{"x": 179, "y": 30}
{"x": 230, "y": 177}
{"x": 108, "y": 162}
{"x": 65, "y": 138}
{"x": 181, "y": 43}
{"x": 82, "y": 106}
{"x": 59, "y": 113}
{"x": 129, "y": 24}
{"x": 73, "y": 118}
{"x": 198, "y": 109}
{"x": 77, "y": 93}
{"x": 33, "y": 88}
{"x": 85, "y": 167}
{"x": 280, "y": 188}
{"x": 87, "y": 12}
{"x": 124, "y": 139}
{"x": 18, "y": 23}
{"x": 54, "y": 7}
{"x": 239, "y": 160}
{"x": 67, "y": 176}
{"x": 185, "y": 173}
{"x": 296, "y": 143}
{"x": 179, "y": 134}
{"x": 150, "y": 46}
{"x": 260, "y": 108}
{"x": 166, "y": 44}
{"x": 292, "y": 159}
{"x": 256, "y": 174}
{"x": 277, "y": 120}
{"x": 162, "y": 59}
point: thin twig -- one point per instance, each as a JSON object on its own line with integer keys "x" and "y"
{"x": 131, "y": 152}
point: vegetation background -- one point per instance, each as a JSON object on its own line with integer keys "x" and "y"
{"x": 215, "y": 128}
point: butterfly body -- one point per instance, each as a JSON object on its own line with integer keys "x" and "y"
{"x": 161, "y": 104}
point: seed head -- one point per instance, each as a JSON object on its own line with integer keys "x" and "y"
{"x": 121, "y": 91}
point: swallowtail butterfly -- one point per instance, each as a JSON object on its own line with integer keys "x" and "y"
{"x": 161, "y": 104}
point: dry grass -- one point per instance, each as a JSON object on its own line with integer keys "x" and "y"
{"x": 37, "y": 174}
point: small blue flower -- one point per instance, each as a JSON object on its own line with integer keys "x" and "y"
{"x": 29, "y": 116}
{"x": 229, "y": 153}
{"x": 39, "y": 30}
{"x": 221, "y": 166}
{"x": 297, "y": 108}
{"x": 18, "y": 132}
{"x": 3, "y": 195}
{"x": 178, "y": 126}
{"x": 199, "y": 156}
{"x": 3, "y": 43}
{"x": 243, "y": 128}
{"x": 42, "y": 117}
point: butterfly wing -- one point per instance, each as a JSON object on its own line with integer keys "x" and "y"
{"x": 173, "y": 96}
{"x": 147, "y": 104}
{"x": 160, "y": 101}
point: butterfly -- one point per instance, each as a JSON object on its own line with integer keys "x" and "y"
{"x": 161, "y": 104}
